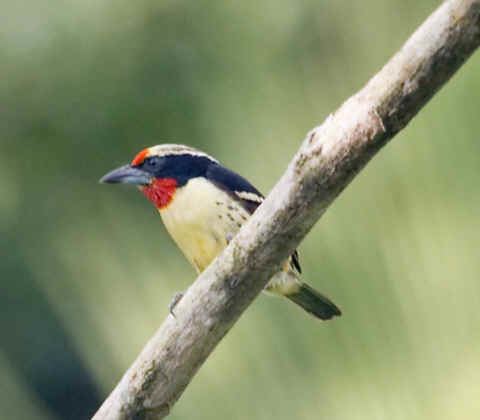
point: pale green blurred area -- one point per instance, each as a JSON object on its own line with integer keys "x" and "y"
{"x": 87, "y": 270}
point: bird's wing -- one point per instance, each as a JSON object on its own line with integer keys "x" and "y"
{"x": 296, "y": 262}
{"x": 242, "y": 192}
{"x": 235, "y": 186}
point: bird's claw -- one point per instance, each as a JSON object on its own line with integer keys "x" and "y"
{"x": 176, "y": 298}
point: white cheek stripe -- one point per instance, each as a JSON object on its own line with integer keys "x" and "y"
{"x": 249, "y": 196}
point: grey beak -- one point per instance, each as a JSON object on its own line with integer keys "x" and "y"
{"x": 127, "y": 175}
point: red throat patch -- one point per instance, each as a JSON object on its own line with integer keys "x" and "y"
{"x": 160, "y": 192}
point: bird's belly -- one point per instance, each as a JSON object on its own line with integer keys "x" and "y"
{"x": 198, "y": 243}
{"x": 201, "y": 220}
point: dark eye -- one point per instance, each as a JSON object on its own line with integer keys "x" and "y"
{"x": 152, "y": 162}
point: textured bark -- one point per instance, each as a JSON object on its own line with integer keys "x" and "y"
{"x": 330, "y": 156}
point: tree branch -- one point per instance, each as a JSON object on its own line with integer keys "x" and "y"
{"x": 329, "y": 158}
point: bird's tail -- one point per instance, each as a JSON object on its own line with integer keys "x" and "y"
{"x": 313, "y": 302}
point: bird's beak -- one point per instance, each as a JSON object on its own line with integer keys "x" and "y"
{"x": 127, "y": 175}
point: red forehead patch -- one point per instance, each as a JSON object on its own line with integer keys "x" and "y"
{"x": 138, "y": 160}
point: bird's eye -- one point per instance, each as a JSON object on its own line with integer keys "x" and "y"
{"x": 152, "y": 164}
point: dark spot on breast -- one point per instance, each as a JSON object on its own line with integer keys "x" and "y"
{"x": 217, "y": 239}
{"x": 218, "y": 203}
{"x": 230, "y": 217}
{"x": 230, "y": 208}
{"x": 220, "y": 217}
{"x": 239, "y": 225}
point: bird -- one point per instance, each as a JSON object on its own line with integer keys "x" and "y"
{"x": 203, "y": 204}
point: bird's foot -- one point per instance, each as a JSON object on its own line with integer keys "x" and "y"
{"x": 176, "y": 298}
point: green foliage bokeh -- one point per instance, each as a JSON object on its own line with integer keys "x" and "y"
{"x": 85, "y": 85}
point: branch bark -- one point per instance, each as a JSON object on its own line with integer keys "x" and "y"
{"x": 330, "y": 156}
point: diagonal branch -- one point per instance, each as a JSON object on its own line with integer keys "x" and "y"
{"x": 329, "y": 158}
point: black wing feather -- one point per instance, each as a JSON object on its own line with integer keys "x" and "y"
{"x": 231, "y": 182}
{"x": 296, "y": 262}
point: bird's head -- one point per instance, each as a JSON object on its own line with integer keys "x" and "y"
{"x": 160, "y": 170}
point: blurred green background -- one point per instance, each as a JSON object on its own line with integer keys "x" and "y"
{"x": 87, "y": 270}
